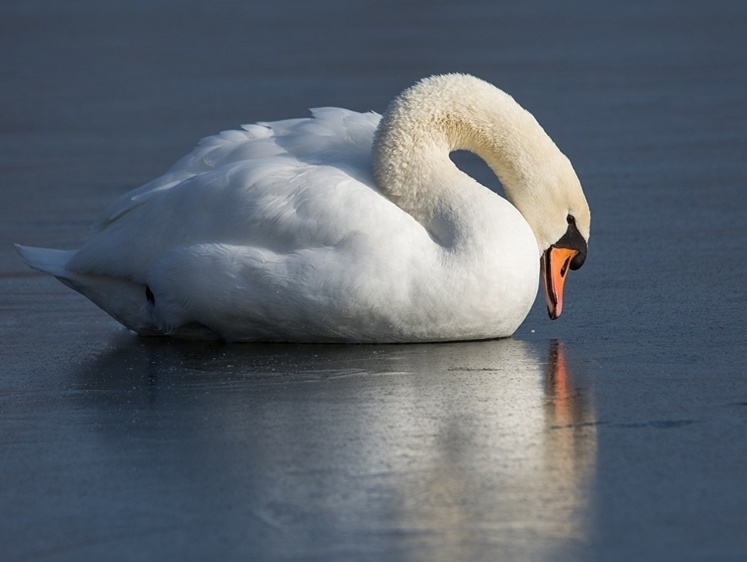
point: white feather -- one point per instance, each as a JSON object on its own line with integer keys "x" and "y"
{"x": 278, "y": 231}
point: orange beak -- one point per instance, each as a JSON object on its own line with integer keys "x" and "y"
{"x": 555, "y": 264}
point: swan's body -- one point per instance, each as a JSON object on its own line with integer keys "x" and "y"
{"x": 329, "y": 229}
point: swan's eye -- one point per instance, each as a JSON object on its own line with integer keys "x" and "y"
{"x": 570, "y": 219}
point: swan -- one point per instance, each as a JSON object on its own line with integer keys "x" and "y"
{"x": 343, "y": 227}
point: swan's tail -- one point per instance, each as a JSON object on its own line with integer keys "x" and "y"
{"x": 123, "y": 299}
{"x": 46, "y": 259}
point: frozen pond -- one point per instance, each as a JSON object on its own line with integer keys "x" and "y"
{"x": 616, "y": 432}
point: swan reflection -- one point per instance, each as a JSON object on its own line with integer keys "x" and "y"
{"x": 452, "y": 448}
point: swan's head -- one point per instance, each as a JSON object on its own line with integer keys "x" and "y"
{"x": 561, "y": 222}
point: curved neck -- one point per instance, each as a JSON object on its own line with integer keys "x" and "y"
{"x": 456, "y": 112}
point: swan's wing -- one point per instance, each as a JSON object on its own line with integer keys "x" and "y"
{"x": 333, "y": 136}
{"x": 285, "y": 186}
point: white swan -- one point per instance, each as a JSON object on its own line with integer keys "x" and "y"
{"x": 343, "y": 227}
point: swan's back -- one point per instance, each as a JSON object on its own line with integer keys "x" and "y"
{"x": 267, "y": 185}
{"x": 333, "y": 136}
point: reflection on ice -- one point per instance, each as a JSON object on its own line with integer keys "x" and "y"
{"x": 455, "y": 449}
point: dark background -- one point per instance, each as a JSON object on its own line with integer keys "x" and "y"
{"x": 630, "y": 447}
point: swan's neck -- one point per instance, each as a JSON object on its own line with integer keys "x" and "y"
{"x": 455, "y": 112}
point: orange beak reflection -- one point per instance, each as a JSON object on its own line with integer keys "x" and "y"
{"x": 555, "y": 264}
